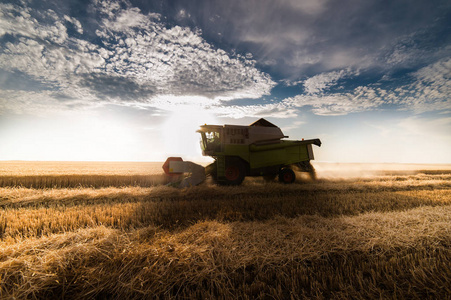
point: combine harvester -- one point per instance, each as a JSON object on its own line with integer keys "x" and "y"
{"x": 239, "y": 151}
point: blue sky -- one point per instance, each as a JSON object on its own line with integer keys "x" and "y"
{"x": 132, "y": 80}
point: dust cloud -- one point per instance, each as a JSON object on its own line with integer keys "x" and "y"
{"x": 330, "y": 170}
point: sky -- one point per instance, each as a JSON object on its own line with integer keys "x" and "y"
{"x": 113, "y": 80}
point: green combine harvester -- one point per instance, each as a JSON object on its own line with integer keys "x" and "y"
{"x": 239, "y": 151}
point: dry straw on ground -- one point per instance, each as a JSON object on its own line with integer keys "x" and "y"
{"x": 386, "y": 236}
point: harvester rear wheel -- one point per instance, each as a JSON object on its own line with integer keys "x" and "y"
{"x": 234, "y": 173}
{"x": 287, "y": 176}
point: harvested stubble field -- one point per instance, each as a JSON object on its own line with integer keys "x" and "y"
{"x": 91, "y": 230}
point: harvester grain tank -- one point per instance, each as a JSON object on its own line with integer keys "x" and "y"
{"x": 259, "y": 149}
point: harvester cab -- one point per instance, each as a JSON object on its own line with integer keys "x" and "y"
{"x": 211, "y": 139}
{"x": 255, "y": 150}
{"x": 215, "y": 138}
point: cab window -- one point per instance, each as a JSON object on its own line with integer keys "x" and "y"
{"x": 213, "y": 140}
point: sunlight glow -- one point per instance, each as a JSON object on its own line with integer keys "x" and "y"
{"x": 179, "y": 131}
{"x": 75, "y": 137}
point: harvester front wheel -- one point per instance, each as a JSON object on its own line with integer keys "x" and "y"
{"x": 234, "y": 173}
{"x": 287, "y": 176}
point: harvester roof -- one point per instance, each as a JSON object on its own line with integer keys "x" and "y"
{"x": 263, "y": 123}
{"x": 259, "y": 131}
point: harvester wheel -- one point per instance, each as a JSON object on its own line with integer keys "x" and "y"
{"x": 286, "y": 176}
{"x": 234, "y": 173}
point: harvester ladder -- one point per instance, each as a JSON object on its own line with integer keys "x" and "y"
{"x": 220, "y": 165}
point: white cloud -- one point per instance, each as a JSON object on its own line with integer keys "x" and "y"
{"x": 294, "y": 125}
{"x": 178, "y": 61}
{"x": 17, "y": 21}
{"x": 438, "y": 73}
{"x": 323, "y": 81}
{"x": 40, "y": 103}
{"x": 362, "y": 99}
{"x": 172, "y": 103}
{"x": 126, "y": 19}
{"x": 429, "y": 91}
{"x": 140, "y": 61}
{"x": 139, "y": 58}
{"x": 275, "y": 110}
{"x": 74, "y": 22}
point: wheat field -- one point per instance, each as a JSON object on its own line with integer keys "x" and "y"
{"x": 115, "y": 231}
